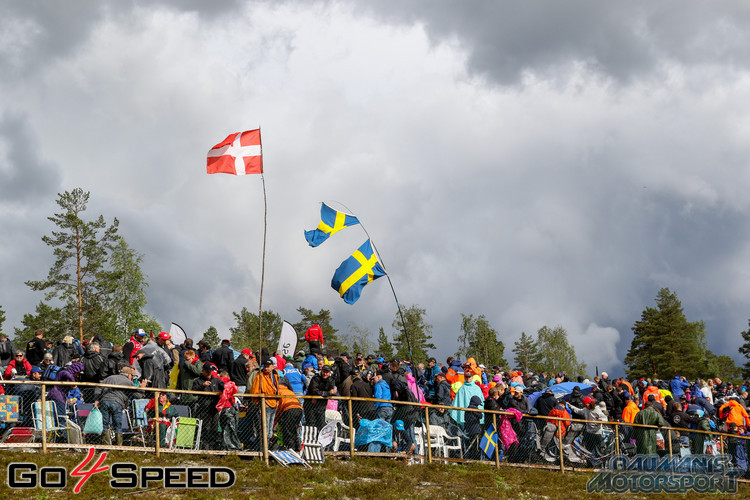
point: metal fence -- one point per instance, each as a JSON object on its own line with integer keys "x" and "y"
{"x": 175, "y": 421}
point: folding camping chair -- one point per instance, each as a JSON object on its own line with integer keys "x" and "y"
{"x": 182, "y": 410}
{"x": 20, "y": 435}
{"x": 54, "y": 422}
{"x": 186, "y": 432}
{"x": 288, "y": 457}
{"x": 312, "y": 451}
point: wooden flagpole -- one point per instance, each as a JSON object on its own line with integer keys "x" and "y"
{"x": 263, "y": 260}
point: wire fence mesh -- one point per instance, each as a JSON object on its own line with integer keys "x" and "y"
{"x": 215, "y": 419}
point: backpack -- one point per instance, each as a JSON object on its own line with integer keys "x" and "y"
{"x": 50, "y": 373}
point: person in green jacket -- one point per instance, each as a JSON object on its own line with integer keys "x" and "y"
{"x": 699, "y": 438}
{"x": 190, "y": 370}
{"x": 645, "y": 438}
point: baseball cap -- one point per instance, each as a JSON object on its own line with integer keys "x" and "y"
{"x": 588, "y": 400}
{"x": 36, "y": 369}
{"x": 399, "y": 424}
{"x": 165, "y": 336}
{"x": 140, "y": 332}
{"x": 326, "y": 368}
{"x": 247, "y": 351}
{"x": 268, "y": 362}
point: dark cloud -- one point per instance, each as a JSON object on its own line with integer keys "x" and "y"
{"x": 623, "y": 40}
{"x": 24, "y": 175}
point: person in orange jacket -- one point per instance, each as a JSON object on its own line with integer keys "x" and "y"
{"x": 732, "y": 412}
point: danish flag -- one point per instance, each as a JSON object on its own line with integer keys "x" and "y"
{"x": 238, "y": 154}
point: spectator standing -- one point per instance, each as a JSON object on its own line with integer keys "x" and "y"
{"x": 112, "y": 402}
{"x": 36, "y": 348}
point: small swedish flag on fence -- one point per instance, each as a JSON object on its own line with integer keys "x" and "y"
{"x": 356, "y": 272}
{"x": 489, "y": 441}
{"x": 331, "y": 222}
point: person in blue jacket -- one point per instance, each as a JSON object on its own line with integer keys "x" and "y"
{"x": 678, "y": 386}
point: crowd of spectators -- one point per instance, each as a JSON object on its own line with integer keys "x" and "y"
{"x": 232, "y": 422}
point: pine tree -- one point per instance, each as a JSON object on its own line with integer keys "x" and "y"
{"x": 212, "y": 337}
{"x": 480, "y": 341}
{"x": 556, "y": 354}
{"x": 2, "y": 318}
{"x": 245, "y": 334}
{"x": 745, "y": 351}
{"x": 79, "y": 275}
{"x": 419, "y": 332}
{"x": 331, "y": 343}
{"x": 385, "y": 348}
{"x": 129, "y": 294}
{"x": 665, "y": 343}
{"x": 53, "y": 320}
{"x": 526, "y": 353}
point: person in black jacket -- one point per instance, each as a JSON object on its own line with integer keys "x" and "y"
{"x": 63, "y": 353}
{"x": 361, "y": 409}
{"x": 238, "y": 370}
{"x": 324, "y": 385}
{"x": 92, "y": 369}
{"x": 223, "y": 357}
{"x": 546, "y": 402}
{"x": 7, "y": 350}
{"x": 209, "y": 381}
{"x": 36, "y": 348}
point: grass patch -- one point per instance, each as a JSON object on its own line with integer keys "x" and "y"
{"x": 345, "y": 479}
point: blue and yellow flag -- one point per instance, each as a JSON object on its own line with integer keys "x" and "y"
{"x": 331, "y": 222}
{"x": 489, "y": 441}
{"x": 355, "y": 272}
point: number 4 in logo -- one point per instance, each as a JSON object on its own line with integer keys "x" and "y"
{"x": 86, "y": 475}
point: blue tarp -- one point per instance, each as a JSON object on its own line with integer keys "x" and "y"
{"x": 562, "y": 390}
{"x": 374, "y": 431}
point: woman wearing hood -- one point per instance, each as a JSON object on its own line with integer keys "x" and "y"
{"x": 59, "y": 393}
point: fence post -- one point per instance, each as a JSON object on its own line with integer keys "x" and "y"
{"x": 617, "y": 438}
{"x": 351, "y": 430}
{"x": 669, "y": 438}
{"x": 44, "y": 420}
{"x": 497, "y": 445}
{"x": 427, "y": 434}
{"x": 560, "y": 445}
{"x": 264, "y": 427}
{"x": 157, "y": 421}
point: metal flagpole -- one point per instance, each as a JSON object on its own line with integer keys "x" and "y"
{"x": 398, "y": 305}
{"x": 263, "y": 261}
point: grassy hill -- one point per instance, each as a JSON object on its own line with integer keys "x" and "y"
{"x": 368, "y": 478}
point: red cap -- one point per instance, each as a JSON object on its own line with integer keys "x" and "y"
{"x": 165, "y": 336}
{"x": 588, "y": 400}
{"x": 247, "y": 351}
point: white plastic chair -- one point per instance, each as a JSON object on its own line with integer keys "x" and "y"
{"x": 448, "y": 442}
{"x": 342, "y": 436}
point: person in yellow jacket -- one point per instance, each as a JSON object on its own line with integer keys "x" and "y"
{"x": 267, "y": 382}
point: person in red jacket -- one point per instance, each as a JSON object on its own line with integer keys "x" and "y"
{"x": 19, "y": 366}
{"x": 314, "y": 337}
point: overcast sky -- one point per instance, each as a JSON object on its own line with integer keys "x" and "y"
{"x": 546, "y": 163}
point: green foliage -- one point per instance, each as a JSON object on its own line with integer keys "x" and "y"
{"x": 79, "y": 275}
{"x": 385, "y": 347}
{"x": 245, "y": 334}
{"x": 556, "y": 354}
{"x": 359, "y": 339}
{"x": 129, "y": 289}
{"x": 2, "y": 318}
{"x": 721, "y": 366}
{"x": 212, "y": 337}
{"x": 665, "y": 343}
{"x": 745, "y": 351}
{"x": 331, "y": 342}
{"x": 526, "y": 353}
{"x": 479, "y": 340}
{"x": 52, "y": 320}
{"x": 419, "y": 332}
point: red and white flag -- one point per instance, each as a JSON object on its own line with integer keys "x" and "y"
{"x": 238, "y": 154}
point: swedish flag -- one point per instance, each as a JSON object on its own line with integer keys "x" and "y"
{"x": 489, "y": 441}
{"x": 355, "y": 272}
{"x": 331, "y": 221}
